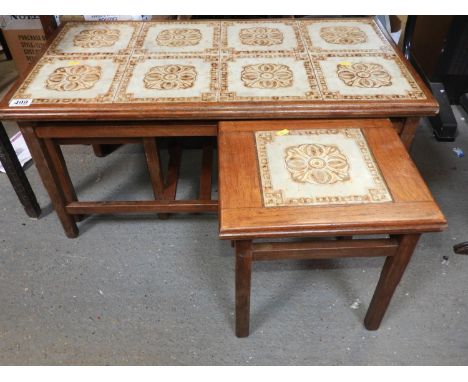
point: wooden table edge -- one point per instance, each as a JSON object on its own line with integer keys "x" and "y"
{"x": 329, "y": 231}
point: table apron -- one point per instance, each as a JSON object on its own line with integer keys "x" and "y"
{"x": 126, "y": 131}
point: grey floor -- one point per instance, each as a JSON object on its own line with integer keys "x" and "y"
{"x": 138, "y": 290}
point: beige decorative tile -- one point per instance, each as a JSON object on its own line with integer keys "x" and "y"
{"x": 351, "y": 35}
{"x": 261, "y": 36}
{"x": 169, "y": 79}
{"x": 268, "y": 78}
{"x": 223, "y": 61}
{"x": 366, "y": 76}
{"x": 96, "y": 38}
{"x": 318, "y": 167}
{"x": 179, "y": 37}
{"x": 81, "y": 80}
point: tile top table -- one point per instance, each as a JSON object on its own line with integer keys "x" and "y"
{"x": 132, "y": 82}
{"x": 220, "y": 69}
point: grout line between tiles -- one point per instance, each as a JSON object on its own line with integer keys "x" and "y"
{"x": 218, "y": 77}
{"x": 299, "y": 25}
{"x": 130, "y": 56}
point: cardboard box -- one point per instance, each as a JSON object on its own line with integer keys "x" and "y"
{"x": 64, "y": 18}
{"x": 25, "y": 38}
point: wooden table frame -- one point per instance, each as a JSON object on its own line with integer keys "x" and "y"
{"x": 397, "y": 250}
{"x": 266, "y": 214}
{"x": 45, "y": 139}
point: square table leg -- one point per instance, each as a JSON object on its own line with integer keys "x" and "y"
{"x": 243, "y": 284}
{"x": 17, "y": 176}
{"x": 392, "y": 271}
{"x": 153, "y": 161}
{"x": 206, "y": 171}
{"x": 103, "y": 150}
{"x": 409, "y": 131}
{"x": 60, "y": 168}
{"x": 51, "y": 179}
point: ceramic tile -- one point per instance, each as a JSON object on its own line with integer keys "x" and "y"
{"x": 224, "y": 61}
{"x": 179, "y": 37}
{"x": 169, "y": 79}
{"x": 365, "y": 76}
{"x": 344, "y": 35}
{"x": 318, "y": 167}
{"x": 261, "y": 36}
{"x": 96, "y": 38}
{"x": 267, "y": 78}
{"x": 81, "y": 80}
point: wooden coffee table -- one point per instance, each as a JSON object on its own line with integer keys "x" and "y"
{"x": 321, "y": 179}
{"x": 133, "y": 82}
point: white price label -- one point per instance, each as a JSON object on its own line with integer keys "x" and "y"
{"x": 18, "y": 102}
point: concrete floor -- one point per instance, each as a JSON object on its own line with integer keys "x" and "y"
{"x": 141, "y": 291}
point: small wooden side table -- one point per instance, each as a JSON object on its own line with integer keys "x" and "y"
{"x": 321, "y": 179}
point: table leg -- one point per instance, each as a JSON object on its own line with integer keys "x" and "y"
{"x": 60, "y": 168}
{"x": 243, "y": 284}
{"x": 50, "y": 179}
{"x": 175, "y": 157}
{"x": 392, "y": 272}
{"x": 409, "y": 130}
{"x": 17, "y": 176}
{"x": 461, "y": 248}
{"x": 206, "y": 171}
{"x": 155, "y": 169}
{"x": 103, "y": 149}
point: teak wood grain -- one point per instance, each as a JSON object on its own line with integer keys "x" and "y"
{"x": 391, "y": 275}
{"x": 324, "y": 249}
{"x": 242, "y": 213}
{"x": 50, "y": 179}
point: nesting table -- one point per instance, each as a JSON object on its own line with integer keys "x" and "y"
{"x": 133, "y": 82}
{"x": 330, "y": 179}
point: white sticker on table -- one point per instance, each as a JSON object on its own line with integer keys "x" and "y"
{"x": 20, "y": 102}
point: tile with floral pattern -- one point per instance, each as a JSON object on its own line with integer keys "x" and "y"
{"x": 365, "y": 76}
{"x": 350, "y": 35}
{"x": 95, "y": 38}
{"x": 169, "y": 79}
{"x": 221, "y": 61}
{"x": 318, "y": 167}
{"x": 267, "y": 78}
{"x": 261, "y": 36}
{"x": 181, "y": 37}
{"x": 81, "y": 80}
